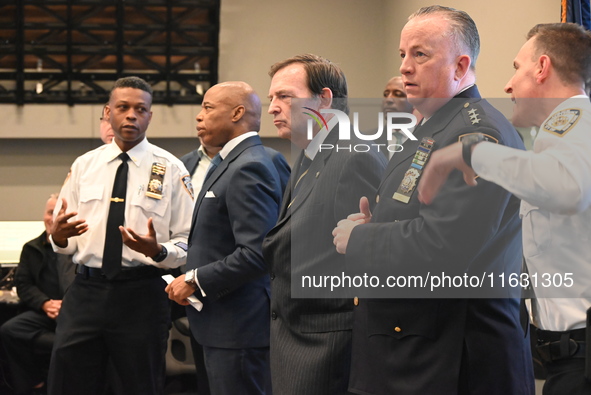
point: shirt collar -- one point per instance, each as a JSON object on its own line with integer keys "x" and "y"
{"x": 230, "y": 145}
{"x": 201, "y": 152}
{"x": 465, "y": 89}
{"x": 570, "y": 102}
{"x": 136, "y": 154}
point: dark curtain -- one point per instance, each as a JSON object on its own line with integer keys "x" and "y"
{"x": 577, "y": 11}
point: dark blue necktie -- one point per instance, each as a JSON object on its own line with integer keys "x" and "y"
{"x": 112, "y": 253}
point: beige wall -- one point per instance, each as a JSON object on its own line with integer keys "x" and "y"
{"x": 39, "y": 142}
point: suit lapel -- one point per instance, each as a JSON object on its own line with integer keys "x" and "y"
{"x": 284, "y": 212}
{"x": 289, "y": 204}
{"x": 217, "y": 173}
{"x": 314, "y": 171}
{"x": 193, "y": 162}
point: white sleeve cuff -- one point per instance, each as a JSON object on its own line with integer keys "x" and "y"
{"x": 197, "y": 282}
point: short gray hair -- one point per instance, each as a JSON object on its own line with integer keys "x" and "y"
{"x": 463, "y": 28}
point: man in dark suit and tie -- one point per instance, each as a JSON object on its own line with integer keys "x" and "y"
{"x": 413, "y": 343}
{"x": 311, "y": 337}
{"x": 198, "y": 160}
{"x": 238, "y": 204}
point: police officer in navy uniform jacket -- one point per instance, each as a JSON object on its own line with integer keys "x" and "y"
{"x": 427, "y": 345}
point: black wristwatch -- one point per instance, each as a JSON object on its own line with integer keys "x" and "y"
{"x": 467, "y": 143}
{"x": 161, "y": 255}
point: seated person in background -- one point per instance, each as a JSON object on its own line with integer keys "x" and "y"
{"x": 41, "y": 279}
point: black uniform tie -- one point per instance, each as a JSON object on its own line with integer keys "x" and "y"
{"x": 113, "y": 242}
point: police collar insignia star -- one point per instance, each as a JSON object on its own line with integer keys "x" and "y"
{"x": 412, "y": 175}
{"x": 474, "y": 116}
{"x": 154, "y": 189}
{"x": 561, "y": 122}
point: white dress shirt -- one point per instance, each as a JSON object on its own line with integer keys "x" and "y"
{"x": 554, "y": 183}
{"x": 200, "y": 171}
{"x": 87, "y": 191}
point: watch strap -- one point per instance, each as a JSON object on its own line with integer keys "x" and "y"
{"x": 467, "y": 143}
{"x": 161, "y": 255}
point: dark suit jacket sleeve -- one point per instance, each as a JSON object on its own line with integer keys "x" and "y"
{"x": 253, "y": 205}
{"x": 281, "y": 165}
{"x": 28, "y": 292}
{"x": 190, "y": 161}
{"x": 445, "y": 236}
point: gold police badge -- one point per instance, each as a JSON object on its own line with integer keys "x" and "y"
{"x": 156, "y": 181}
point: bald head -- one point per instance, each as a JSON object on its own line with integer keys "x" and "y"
{"x": 229, "y": 109}
{"x": 395, "y": 80}
{"x": 240, "y": 94}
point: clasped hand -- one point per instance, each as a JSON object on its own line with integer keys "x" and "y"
{"x": 342, "y": 232}
{"x": 179, "y": 290}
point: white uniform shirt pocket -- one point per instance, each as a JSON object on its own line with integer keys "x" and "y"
{"x": 91, "y": 192}
{"x": 91, "y": 205}
{"x": 150, "y": 205}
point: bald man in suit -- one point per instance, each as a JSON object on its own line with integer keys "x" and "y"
{"x": 238, "y": 204}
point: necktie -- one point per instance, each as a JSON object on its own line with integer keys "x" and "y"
{"x": 302, "y": 171}
{"x": 212, "y": 166}
{"x": 113, "y": 241}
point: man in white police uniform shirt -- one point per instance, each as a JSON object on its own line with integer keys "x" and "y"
{"x": 117, "y": 309}
{"x": 552, "y": 72}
